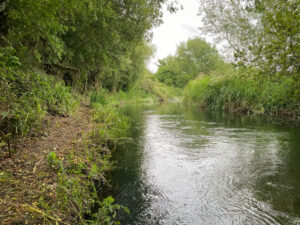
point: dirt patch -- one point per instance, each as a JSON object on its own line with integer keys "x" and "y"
{"x": 26, "y": 180}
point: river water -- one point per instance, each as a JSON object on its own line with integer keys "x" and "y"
{"x": 187, "y": 166}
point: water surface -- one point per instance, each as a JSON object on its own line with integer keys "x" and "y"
{"x": 187, "y": 166}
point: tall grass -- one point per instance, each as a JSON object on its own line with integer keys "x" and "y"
{"x": 147, "y": 89}
{"x": 252, "y": 94}
{"x": 26, "y": 98}
{"x": 80, "y": 174}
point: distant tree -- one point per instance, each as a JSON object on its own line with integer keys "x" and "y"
{"x": 192, "y": 58}
{"x": 166, "y": 73}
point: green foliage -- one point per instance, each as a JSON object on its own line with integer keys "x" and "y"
{"x": 25, "y": 98}
{"x": 107, "y": 207}
{"x": 8, "y": 59}
{"x": 98, "y": 97}
{"x": 86, "y": 43}
{"x": 54, "y": 162}
{"x": 246, "y": 93}
{"x": 259, "y": 34}
{"x": 111, "y": 124}
{"x": 279, "y": 47}
{"x": 192, "y": 58}
{"x": 147, "y": 89}
{"x": 262, "y": 33}
{"x": 94, "y": 41}
{"x": 80, "y": 174}
{"x": 79, "y": 182}
{"x": 151, "y": 86}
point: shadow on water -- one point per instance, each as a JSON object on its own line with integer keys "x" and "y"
{"x": 127, "y": 178}
{"x": 283, "y": 182}
{"x": 189, "y": 166}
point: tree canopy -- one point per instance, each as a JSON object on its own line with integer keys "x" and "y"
{"x": 103, "y": 39}
{"x": 261, "y": 33}
{"x": 192, "y": 58}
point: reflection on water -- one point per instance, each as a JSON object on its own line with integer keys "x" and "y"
{"x": 193, "y": 167}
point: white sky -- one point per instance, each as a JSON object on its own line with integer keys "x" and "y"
{"x": 176, "y": 27}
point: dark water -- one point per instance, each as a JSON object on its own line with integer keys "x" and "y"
{"x": 192, "y": 167}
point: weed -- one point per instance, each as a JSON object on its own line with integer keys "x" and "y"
{"x": 25, "y": 99}
{"x": 247, "y": 93}
{"x": 111, "y": 125}
{"x": 98, "y": 97}
{"x": 54, "y": 162}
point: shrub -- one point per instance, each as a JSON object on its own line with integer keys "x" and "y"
{"x": 25, "y": 99}
{"x": 98, "y": 97}
{"x": 111, "y": 125}
{"x": 248, "y": 93}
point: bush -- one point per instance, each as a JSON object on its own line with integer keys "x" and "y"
{"x": 111, "y": 125}
{"x": 246, "y": 93}
{"x": 98, "y": 97}
{"x": 25, "y": 99}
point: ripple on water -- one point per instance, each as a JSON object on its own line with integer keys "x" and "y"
{"x": 198, "y": 171}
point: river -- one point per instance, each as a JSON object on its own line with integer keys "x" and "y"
{"x": 189, "y": 166}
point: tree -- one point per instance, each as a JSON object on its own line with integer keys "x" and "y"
{"x": 261, "y": 33}
{"x": 278, "y": 48}
{"x": 95, "y": 38}
{"x": 192, "y": 58}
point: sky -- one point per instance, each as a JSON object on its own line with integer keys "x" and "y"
{"x": 176, "y": 27}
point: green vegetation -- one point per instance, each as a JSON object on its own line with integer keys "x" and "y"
{"x": 26, "y": 98}
{"x": 251, "y": 94}
{"x": 147, "y": 89}
{"x": 89, "y": 42}
{"x": 262, "y": 40}
{"x": 261, "y": 33}
{"x": 80, "y": 175}
{"x": 192, "y": 58}
{"x": 52, "y": 55}
{"x": 46, "y": 46}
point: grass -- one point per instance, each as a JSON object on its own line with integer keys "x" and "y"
{"x": 246, "y": 93}
{"x": 147, "y": 90}
{"x": 61, "y": 177}
{"x": 77, "y": 173}
{"x": 81, "y": 174}
{"x": 26, "y": 99}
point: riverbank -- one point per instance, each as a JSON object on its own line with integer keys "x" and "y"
{"x": 56, "y": 176}
{"x": 248, "y": 94}
{"x": 55, "y": 154}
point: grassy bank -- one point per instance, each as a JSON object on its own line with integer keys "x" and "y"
{"x": 246, "y": 93}
{"x": 56, "y": 144}
{"x": 146, "y": 90}
{"x": 80, "y": 173}
{"x": 26, "y": 99}
{"x": 54, "y": 154}
{"x": 58, "y": 177}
